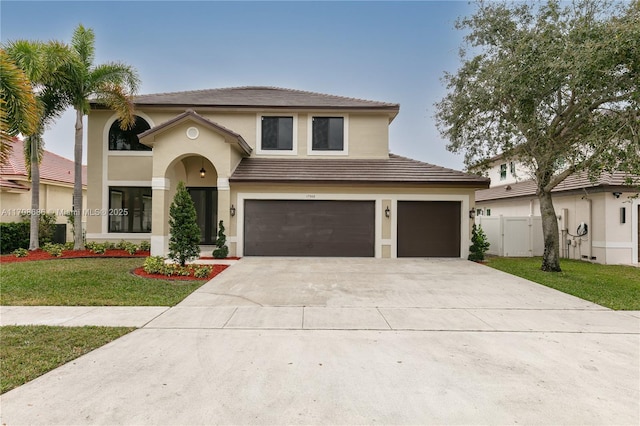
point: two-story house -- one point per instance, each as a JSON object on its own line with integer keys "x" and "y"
{"x": 289, "y": 172}
{"x": 598, "y": 220}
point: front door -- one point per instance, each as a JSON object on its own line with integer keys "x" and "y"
{"x": 206, "y": 203}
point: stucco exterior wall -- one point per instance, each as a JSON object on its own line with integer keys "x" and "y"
{"x": 607, "y": 241}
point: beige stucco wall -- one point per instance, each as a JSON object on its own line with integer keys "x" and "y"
{"x": 608, "y": 241}
{"x": 54, "y": 198}
{"x": 383, "y": 196}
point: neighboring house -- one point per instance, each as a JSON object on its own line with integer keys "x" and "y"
{"x": 509, "y": 212}
{"x": 291, "y": 173}
{"x": 56, "y": 186}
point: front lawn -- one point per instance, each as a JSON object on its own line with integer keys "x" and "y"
{"x": 614, "y": 286}
{"x": 30, "y": 351}
{"x": 87, "y": 282}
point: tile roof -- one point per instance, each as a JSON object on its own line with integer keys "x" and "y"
{"x": 395, "y": 169}
{"x": 574, "y": 182}
{"x": 259, "y": 96}
{"x": 52, "y": 168}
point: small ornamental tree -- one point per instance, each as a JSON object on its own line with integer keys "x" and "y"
{"x": 221, "y": 250}
{"x": 479, "y": 244}
{"x": 184, "y": 243}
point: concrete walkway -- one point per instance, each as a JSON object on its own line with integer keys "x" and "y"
{"x": 345, "y": 341}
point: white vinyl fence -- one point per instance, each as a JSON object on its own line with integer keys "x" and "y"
{"x": 513, "y": 236}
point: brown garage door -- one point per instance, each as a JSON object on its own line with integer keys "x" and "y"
{"x": 429, "y": 229}
{"x": 309, "y": 228}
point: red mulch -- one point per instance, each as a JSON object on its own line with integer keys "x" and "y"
{"x": 213, "y": 258}
{"x": 216, "y": 269}
{"x": 68, "y": 254}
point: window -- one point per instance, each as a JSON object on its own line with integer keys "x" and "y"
{"x": 512, "y": 168}
{"x": 503, "y": 171}
{"x": 129, "y": 209}
{"x": 488, "y": 211}
{"x": 127, "y": 140}
{"x": 328, "y": 134}
{"x": 277, "y": 133}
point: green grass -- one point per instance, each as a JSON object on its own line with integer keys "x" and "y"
{"x": 27, "y": 352}
{"x": 614, "y": 286}
{"x": 87, "y": 282}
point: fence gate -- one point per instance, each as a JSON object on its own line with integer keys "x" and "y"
{"x": 513, "y": 236}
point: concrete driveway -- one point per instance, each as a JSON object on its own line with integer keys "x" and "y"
{"x": 355, "y": 341}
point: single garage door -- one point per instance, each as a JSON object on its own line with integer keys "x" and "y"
{"x": 309, "y": 228}
{"x": 429, "y": 228}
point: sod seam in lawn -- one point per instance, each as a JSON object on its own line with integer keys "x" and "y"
{"x": 87, "y": 282}
{"x": 613, "y": 286}
{"x": 27, "y": 352}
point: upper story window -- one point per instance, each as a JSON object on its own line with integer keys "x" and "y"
{"x": 512, "y": 168}
{"x": 277, "y": 133}
{"x": 127, "y": 140}
{"x": 328, "y": 134}
{"x": 503, "y": 171}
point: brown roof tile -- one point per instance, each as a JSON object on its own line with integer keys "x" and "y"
{"x": 52, "y": 168}
{"x": 395, "y": 169}
{"x": 259, "y": 96}
{"x": 572, "y": 183}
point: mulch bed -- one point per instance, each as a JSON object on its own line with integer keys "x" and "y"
{"x": 68, "y": 254}
{"x": 216, "y": 269}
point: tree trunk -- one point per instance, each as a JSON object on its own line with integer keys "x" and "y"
{"x": 78, "y": 240}
{"x": 34, "y": 228}
{"x": 551, "y": 257}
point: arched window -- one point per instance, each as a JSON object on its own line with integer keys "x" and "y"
{"x": 127, "y": 140}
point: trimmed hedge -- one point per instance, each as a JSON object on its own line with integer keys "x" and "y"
{"x": 13, "y": 235}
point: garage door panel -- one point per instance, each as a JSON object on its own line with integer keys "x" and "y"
{"x": 309, "y": 228}
{"x": 429, "y": 228}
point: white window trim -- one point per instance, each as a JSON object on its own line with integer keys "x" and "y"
{"x": 345, "y": 146}
{"x": 294, "y": 147}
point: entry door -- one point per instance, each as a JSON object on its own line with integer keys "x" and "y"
{"x": 206, "y": 203}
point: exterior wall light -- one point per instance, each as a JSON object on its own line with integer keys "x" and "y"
{"x": 617, "y": 194}
{"x": 472, "y": 214}
{"x": 232, "y": 210}
{"x": 387, "y": 212}
{"x": 203, "y": 172}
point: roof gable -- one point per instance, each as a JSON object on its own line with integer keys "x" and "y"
{"x": 148, "y": 137}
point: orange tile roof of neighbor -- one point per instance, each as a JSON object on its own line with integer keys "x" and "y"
{"x": 53, "y": 168}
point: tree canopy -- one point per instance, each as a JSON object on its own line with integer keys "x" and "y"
{"x": 555, "y": 85}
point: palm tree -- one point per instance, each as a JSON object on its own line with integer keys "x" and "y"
{"x": 111, "y": 84}
{"x": 18, "y": 107}
{"x": 44, "y": 65}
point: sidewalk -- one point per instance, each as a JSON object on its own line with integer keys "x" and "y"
{"x": 77, "y": 316}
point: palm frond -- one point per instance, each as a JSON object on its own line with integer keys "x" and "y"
{"x": 116, "y": 98}
{"x": 18, "y": 101}
{"x": 116, "y": 73}
{"x": 27, "y": 55}
{"x": 83, "y": 42}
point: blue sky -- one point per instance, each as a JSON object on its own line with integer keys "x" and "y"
{"x": 389, "y": 51}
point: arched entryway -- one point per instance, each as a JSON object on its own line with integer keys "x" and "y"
{"x": 201, "y": 181}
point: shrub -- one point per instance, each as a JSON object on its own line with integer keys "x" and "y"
{"x": 21, "y": 252}
{"x": 479, "y": 245}
{"x": 46, "y": 226}
{"x": 202, "y": 271}
{"x": 127, "y": 246}
{"x": 154, "y": 265}
{"x": 184, "y": 242}
{"x": 97, "y": 248}
{"x": 145, "y": 246}
{"x": 221, "y": 250}
{"x": 13, "y": 236}
{"x": 53, "y": 249}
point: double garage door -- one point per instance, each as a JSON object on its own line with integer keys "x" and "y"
{"x": 328, "y": 228}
